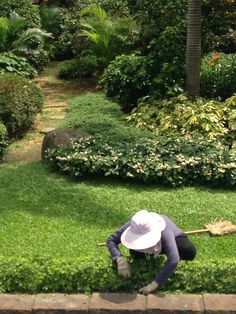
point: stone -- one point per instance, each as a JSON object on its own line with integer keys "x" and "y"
{"x": 117, "y": 303}
{"x": 60, "y": 304}
{"x": 16, "y": 304}
{"x": 220, "y": 303}
{"x": 175, "y": 304}
{"x": 60, "y": 137}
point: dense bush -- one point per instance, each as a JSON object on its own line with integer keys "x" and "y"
{"x": 126, "y": 79}
{"x": 20, "y": 100}
{"x": 24, "y": 8}
{"x": 3, "y": 140}
{"x": 218, "y": 75}
{"x": 98, "y": 275}
{"x": 172, "y": 161}
{"x": 15, "y": 64}
{"x": 181, "y": 116}
{"x": 68, "y": 69}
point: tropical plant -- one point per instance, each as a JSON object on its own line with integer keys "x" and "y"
{"x": 110, "y": 35}
{"x": 27, "y": 43}
{"x": 218, "y": 75}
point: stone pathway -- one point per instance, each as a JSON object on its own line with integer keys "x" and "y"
{"x": 114, "y": 303}
{"x": 57, "y": 94}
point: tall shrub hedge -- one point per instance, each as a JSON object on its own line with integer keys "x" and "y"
{"x": 20, "y": 101}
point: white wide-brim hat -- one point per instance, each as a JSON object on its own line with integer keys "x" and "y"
{"x": 144, "y": 231}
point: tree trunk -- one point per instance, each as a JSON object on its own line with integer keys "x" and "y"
{"x": 193, "y": 50}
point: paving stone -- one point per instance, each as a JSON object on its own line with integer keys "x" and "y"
{"x": 175, "y": 304}
{"x": 60, "y": 304}
{"x": 220, "y": 303}
{"x": 16, "y": 304}
{"x": 114, "y": 303}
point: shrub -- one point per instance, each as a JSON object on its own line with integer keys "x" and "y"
{"x": 181, "y": 116}
{"x": 126, "y": 79}
{"x": 171, "y": 161}
{"x": 20, "y": 100}
{"x": 43, "y": 274}
{"x": 3, "y": 140}
{"x": 15, "y": 64}
{"x": 218, "y": 75}
{"x": 68, "y": 69}
{"x": 24, "y": 8}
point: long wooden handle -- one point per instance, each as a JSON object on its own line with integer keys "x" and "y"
{"x": 187, "y": 232}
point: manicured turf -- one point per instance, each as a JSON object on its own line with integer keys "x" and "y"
{"x": 42, "y": 213}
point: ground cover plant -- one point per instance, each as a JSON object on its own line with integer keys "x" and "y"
{"x": 51, "y": 226}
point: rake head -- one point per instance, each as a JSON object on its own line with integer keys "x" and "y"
{"x": 220, "y": 227}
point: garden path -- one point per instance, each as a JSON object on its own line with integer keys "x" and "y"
{"x": 57, "y": 93}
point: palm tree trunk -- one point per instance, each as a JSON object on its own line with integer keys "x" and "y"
{"x": 193, "y": 50}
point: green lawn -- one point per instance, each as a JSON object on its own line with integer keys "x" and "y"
{"x": 42, "y": 213}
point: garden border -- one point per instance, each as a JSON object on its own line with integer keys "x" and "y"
{"x": 114, "y": 303}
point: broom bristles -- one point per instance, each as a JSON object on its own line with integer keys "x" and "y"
{"x": 221, "y": 227}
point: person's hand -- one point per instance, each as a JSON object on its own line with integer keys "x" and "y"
{"x": 149, "y": 288}
{"x": 123, "y": 267}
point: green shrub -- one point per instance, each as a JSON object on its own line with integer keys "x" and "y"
{"x": 69, "y": 69}
{"x": 98, "y": 275}
{"x": 126, "y": 79}
{"x": 20, "y": 100}
{"x": 171, "y": 161}
{"x": 3, "y": 140}
{"x": 182, "y": 116}
{"x": 15, "y": 64}
{"x": 24, "y": 8}
{"x": 218, "y": 75}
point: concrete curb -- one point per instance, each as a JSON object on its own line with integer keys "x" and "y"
{"x": 114, "y": 303}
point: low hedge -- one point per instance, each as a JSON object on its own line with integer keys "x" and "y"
{"x": 3, "y": 140}
{"x": 171, "y": 161}
{"x": 45, "y": 274}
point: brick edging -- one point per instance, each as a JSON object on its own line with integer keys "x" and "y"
{"x": 114, "y": 303}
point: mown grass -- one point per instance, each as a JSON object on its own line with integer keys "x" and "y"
{"x": 45, "y": 214}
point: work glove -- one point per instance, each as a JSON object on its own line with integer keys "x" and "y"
{"x": 149, "y": 288}
{"x": 123, "y": 267}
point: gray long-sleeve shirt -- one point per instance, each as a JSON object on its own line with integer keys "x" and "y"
{"x": 169, "y": 247}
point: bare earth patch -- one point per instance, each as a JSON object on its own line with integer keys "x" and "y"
{"x": 57, "y": 94}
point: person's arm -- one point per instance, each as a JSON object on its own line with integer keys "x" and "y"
{"x": 170, "y": 249}
{"x": 114, "y": 240}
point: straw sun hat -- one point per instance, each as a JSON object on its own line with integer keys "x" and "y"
{"x": 144, "y": 231}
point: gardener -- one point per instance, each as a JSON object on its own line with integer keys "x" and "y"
{"x": 149, "y": 234}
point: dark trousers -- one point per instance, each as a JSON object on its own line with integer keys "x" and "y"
{"x": 186, "y": 248}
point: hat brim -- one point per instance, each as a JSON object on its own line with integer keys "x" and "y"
{"x": 136, "y": 241}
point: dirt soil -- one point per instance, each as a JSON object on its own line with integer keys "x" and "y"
{"x": 57, "y": 94}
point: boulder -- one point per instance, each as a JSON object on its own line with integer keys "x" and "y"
{"x": 61, "y": 137}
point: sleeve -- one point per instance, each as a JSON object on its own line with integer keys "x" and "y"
{"x": 114, "y": 240}
{"x": 170, "y": 249}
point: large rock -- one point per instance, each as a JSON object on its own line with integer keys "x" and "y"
{"x": 60, "y": 137}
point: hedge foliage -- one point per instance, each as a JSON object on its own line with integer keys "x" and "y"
{"x": 171, "y": 161}
{"x": 24, "y": 8}
{"x": 181, "y": 116}
{"x": 3, "y": 140}
{"x": 42, "y": 274}
{"x": 20, "y": 101}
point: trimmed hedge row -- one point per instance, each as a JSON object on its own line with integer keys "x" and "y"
{"x": 85, "y": 276}
{"x": 171, "y": 161}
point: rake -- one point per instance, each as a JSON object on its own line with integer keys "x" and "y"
{"x": 214, "y": 228}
